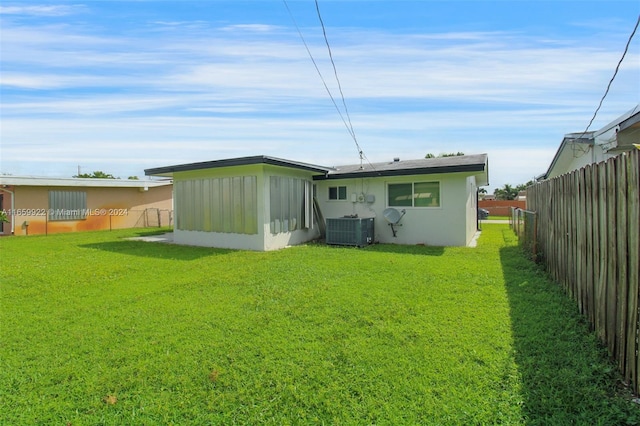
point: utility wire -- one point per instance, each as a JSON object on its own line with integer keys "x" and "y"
{"x": 317, "y": 69}
{"x": 335, "y": 72}
{"x": 349, "y": 126}
{"x": 615, "y": 73}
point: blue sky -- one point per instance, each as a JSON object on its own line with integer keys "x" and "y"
{"x": 121, "y": 86}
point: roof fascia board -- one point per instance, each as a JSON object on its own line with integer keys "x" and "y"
{"x": 617, "y": 121}
{"x": 80, "y": 182}
{"x": 405, "y": 172}
{"x": 231, "y": 162}
{"x": 629, "y": 122}
{"x": 568, "y": 138}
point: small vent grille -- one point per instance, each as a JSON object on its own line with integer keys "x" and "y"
{"x": 350, "y": 231}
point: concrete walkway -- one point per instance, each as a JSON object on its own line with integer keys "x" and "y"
{"x": 163, "y": 238}
{"x": 474, "y": 240}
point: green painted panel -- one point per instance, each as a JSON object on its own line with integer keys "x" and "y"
{"x": 228, "y": 204}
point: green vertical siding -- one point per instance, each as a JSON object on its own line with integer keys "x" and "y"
{"x": 228, "y": 205}
{"x": 290, "y": 204}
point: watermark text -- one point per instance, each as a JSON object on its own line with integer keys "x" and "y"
{"x": 66, "y": 212}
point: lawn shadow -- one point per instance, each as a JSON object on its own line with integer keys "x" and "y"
{"x": 419, "y": 250}
{"x": 157, "y": 250}
{"x": 146, "y": 232}
{"x": 565, "y": 372}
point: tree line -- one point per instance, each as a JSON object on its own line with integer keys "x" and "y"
{"x": 99, "y": 174}
{"x": 509, "y": 192}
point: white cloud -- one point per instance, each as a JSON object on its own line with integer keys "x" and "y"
{"x": 258, "y": 28}
{"x": 40, "y": 10}
{"x": 183, "y": 91}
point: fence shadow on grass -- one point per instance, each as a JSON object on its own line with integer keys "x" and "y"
{"x": 157, "y": 250}
{"x": 566, "y": 375}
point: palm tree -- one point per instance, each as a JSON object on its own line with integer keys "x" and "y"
{"x": 507, "y": 192}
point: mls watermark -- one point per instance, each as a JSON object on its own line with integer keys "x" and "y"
{"x": 66, "y": 212}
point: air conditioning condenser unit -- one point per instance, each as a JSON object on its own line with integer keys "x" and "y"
{"x": 350, "y": 231}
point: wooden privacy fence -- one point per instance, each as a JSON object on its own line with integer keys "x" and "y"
{"x": 588, "y": 224}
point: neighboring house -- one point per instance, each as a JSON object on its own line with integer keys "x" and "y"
{"x": 266, "y": 203}
{"x": 579, "y": 149}
{"x": 43, "y": 205}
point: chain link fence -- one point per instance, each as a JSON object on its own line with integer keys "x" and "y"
{"x": 524, "y": 223}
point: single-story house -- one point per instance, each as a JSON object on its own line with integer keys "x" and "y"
{"x": 44, "y": 205}
{"x": 581, "y": 148}
{"x": 266, "y": 203}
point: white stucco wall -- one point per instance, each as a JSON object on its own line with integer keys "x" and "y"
{"x": 453, "y": 223}
{"x": 218, "y": 240}
{"x": 450, "y": 224}
{"x": 472, "y": 209}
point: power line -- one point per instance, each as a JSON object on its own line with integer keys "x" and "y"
{"x": 335, "y": 72}
{"x": 317, "y": 69}
{"x": 349, "y": 126}
{"x": 615, "y": 73}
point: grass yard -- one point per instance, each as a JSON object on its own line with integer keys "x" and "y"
{"x": 97, "y": 329}
{"x": 497, "y": 217}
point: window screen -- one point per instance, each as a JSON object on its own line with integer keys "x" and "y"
{"x": 400, "y": 195}
{"x": 426, "y": 194}
{"x": 337, "y": 192}
{"x": 418, "y": 194}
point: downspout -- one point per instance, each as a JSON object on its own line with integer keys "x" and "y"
{"x": 477, "y": 209}
{"x": 13, "y": 208}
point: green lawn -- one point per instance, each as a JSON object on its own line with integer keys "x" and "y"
{"x": 96, "y": 329}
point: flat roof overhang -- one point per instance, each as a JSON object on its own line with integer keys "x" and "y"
{"x": 232, "y": 162}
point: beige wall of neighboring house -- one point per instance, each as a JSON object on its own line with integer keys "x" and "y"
{"x": 96, "y": 204}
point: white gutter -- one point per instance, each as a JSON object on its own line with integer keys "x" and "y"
{"x": 13, "y": 207}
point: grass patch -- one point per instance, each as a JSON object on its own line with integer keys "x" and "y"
{"x": 97, "y": 329}
{"x": 497, "y": 217}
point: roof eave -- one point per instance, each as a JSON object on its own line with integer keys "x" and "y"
{"x": 469, "y": 168}
{"x": 630, "y": 122}
{"x": 232, "y": 162}
{"x": 80, "y": 182}
{"x": 565, "y": 142}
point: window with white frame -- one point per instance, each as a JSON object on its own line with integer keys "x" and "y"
{"x": 337, "y": 192}
{"x": 414, "y": 194}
